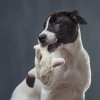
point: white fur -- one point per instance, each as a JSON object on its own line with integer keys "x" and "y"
{"x": 70, "y": 81}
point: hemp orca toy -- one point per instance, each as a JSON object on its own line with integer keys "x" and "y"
{"x": 44, "y": 65}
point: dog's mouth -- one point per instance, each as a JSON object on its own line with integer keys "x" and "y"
{"x": 53, "y": 46}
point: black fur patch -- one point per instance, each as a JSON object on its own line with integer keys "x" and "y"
{"x": 30, "y": 81}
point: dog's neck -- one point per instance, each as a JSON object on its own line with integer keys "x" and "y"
{"x": 75, "y": 47}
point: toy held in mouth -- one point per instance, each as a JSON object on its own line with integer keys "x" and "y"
{"x": 44, "y": 65}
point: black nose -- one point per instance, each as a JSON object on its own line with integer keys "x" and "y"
{"x": 42, "y": 38}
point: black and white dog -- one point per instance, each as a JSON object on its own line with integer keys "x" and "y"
{"x": 62, "y": 35}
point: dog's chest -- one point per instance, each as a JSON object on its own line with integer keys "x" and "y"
{"x": 60, "y": 73}
{"x": 64, "y": 79}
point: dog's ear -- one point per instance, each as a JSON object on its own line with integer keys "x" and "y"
{"x": 76, "y": 18}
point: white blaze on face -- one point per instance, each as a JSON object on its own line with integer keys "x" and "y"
{"x": 50, "y": 35}
{"x": 47, "y": 24}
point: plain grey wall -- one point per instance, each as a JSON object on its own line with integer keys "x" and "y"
{"x": 21, "y": 22}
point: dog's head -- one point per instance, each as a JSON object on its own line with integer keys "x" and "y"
{"x": 61, "y": 27}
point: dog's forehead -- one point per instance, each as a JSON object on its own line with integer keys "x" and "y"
{"x": 60, "y": 14}
{"x": 52, "y": 17}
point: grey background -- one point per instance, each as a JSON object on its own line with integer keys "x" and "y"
{"x": 21, "y": 22}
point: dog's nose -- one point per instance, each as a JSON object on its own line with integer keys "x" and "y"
{"x": 42, "y": 38}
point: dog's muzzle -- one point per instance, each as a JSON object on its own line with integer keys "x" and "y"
{"x": 52, "y": 43}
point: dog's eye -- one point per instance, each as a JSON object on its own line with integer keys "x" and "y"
{"x": 57, "y": 22}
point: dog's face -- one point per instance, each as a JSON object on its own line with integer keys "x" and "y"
{"x": 60, "y": 28}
